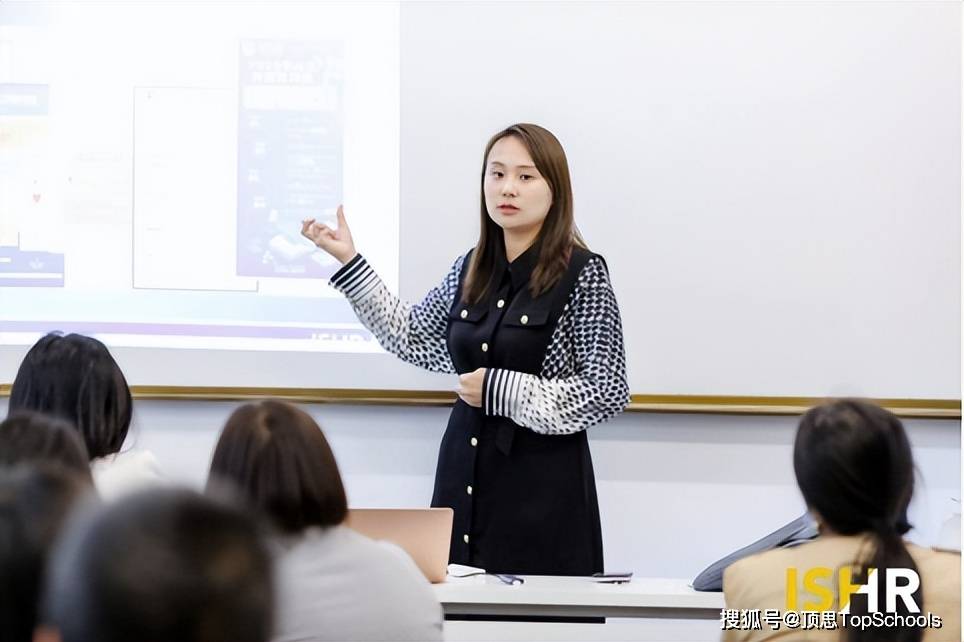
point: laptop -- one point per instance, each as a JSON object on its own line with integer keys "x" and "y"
{"x": 423, "y": 533}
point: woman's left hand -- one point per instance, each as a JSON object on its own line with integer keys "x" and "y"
{"x": 470, "y": 387}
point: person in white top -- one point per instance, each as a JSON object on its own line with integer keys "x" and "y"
{"x": 124, "y": 472}
{"x": 75, "y": 378}
{"x": 332, "y": 583}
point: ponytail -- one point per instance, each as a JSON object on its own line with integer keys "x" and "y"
{"x": 889, "y": 551}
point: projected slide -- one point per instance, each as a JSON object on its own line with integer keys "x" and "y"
{"x": 153, "y": 177}
{"x": 25, "y": 261}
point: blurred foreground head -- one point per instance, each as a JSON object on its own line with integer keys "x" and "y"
{"x": 35, "y": 438}
{"x": 161, "y": 565}
{"x": 35, "y": 501}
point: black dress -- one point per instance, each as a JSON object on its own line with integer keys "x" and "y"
{"x": 517, "y": 471}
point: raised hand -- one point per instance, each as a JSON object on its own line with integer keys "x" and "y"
{"x": 337, "y": 242}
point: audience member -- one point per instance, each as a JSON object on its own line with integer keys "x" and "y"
{"x": 333, "y": 583}
{"x": 854, "y": 468}
{"x": 160, "y": 565}
{"x": 34, "y": 503}
{"x": 32, "y": 437}
{"x": 75, "y": 378}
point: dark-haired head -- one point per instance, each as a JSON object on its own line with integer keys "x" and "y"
{"x": 75, "y": 378}
{"x": 278, "y": 457}
{"x": 855, "y": 469}
{"x": 35, "y": 501}
{"x": 32, "y": 437}
{"x": 558, "y": 233}
{"x": 161, "y": 565}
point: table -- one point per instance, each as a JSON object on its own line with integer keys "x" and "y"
{"x": 657, "y": 608}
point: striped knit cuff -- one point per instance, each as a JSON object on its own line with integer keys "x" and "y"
{"x": 500, "y": 391}
{"x": 355, "y": 279}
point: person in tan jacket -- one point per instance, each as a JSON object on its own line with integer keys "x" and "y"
{"x": 854, "y": 467}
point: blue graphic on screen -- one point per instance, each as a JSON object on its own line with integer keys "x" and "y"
{"x": 289, "y": 153}
{"x": 24, "y": 109}
{"x": 19, "y": 268}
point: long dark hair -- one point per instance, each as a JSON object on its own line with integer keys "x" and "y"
{"x": 278, "y": 458}
{"x": 75, "y": 378}
{"x": 558, "y": 234}
{"x": 854, "y": 467}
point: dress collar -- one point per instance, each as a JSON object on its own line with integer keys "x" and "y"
{"x": 521, "y": 269}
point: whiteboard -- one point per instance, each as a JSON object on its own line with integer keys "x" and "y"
{"x": 775, "y": 186}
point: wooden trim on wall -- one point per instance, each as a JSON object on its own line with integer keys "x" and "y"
{"x": 729, "y": 405}
{"x": 687, "y": 404}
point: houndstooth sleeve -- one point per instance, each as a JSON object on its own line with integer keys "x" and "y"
{"x": 583, "y": 378}
{"x": 415, "y": 333}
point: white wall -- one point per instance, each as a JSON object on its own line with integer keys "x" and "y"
{"x": 676, "y": 491}
{"x": 775, "y": 185}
